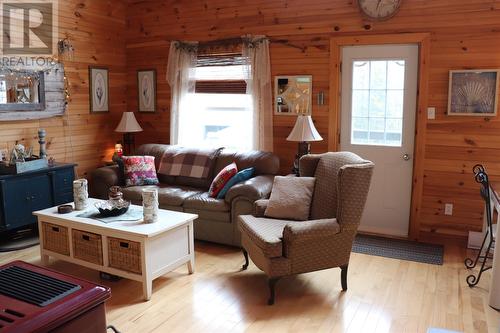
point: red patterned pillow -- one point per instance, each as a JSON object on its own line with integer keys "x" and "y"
{"x": 139, "y": 170}
{"x": 222, "y": 178}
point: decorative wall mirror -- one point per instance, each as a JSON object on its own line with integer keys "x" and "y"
{"x": 293, "y": 94}
{"x": 22, "y": 90}
{"x": 32, "y": 93}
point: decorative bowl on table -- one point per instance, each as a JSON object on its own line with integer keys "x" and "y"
{"x": 112, "y": 207}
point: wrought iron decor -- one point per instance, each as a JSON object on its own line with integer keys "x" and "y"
{"x": 481, "y": 177}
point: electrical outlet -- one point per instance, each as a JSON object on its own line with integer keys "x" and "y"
{"x": 448, "y": 209}
{"x": 431, "y": 113}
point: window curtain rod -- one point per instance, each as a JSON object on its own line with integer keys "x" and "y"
{"x": 235, "y": 41}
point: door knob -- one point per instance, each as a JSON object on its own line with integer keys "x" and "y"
{"x": 406, "y": 157}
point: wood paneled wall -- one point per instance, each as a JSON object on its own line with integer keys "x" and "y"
{"x": 96, "y": 29}
{"x": 464, "y": 34}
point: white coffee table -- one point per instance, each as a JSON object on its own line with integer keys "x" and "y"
{"x": 156, "y": 248}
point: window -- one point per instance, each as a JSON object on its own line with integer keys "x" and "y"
{"x": 377, "y": 102}
{"x": 221, "y": 112}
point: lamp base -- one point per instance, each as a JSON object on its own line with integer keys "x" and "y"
{"x": 304, "y": 148}
{"x": 129, "y": 143}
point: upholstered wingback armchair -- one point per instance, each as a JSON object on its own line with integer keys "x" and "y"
{"x": 285, "y": 247}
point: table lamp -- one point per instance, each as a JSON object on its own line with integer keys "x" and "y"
{"x": 303, "y": 132}
{"x": 128, "y": 126}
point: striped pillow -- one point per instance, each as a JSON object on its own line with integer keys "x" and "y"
{"x": 221, "y": 179}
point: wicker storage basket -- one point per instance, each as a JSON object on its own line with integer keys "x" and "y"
{"x": 125, "y": 255}
{"x": 87, "y": 246}
{"x": 55, "y": 238}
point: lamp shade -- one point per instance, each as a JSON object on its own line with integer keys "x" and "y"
{"x": 304, "y": 130}
{"x": 128, "y": 124}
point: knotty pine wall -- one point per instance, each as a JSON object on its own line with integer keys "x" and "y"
{"x": 464, "y": 34}
{"x": 96, "y": 29}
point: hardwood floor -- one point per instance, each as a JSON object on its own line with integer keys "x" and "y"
{"x": 384, "y": 295}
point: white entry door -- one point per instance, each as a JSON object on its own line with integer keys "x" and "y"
{"x": 379, "y": 91}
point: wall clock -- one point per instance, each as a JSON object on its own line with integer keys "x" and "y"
{"x": 379, "y": 10}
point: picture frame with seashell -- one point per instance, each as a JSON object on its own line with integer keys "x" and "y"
{"x": 473, "y": 92}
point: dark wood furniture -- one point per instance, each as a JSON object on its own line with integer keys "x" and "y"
{"x": 42, "y": 300}
{"x": 24, "y": 193}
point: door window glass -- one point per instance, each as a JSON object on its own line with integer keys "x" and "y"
{"x": 377, "y": 102}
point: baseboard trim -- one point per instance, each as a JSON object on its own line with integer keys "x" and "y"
{"x": 443, "y": 239}
{"x": 382, "y": 232}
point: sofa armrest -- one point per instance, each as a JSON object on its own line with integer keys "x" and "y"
{"x": 102, "y": 179}
{"x": 310, "y": 230}
{"x": 253, "y": 189}
{"x": 259, "y": 207}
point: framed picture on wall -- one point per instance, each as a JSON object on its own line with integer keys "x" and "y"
{"x": 293, "y": 95}
{"x": 473, "y": 92}
{"x": 99, "y": 89}
{"x": 146, "y": 90}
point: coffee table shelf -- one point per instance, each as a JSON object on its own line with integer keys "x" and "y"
{"x": 130, "y": 249}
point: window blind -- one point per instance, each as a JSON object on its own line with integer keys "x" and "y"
{"x": 221, "y": 74}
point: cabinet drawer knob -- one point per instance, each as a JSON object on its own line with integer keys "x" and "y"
{"x": 86, "y": 237}
{"x": 124, "y": 244}
{"x": 56, "y": 229}
{"x": 27, "y": 198}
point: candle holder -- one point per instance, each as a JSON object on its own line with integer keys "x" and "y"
{"x": 80, "y": 194}
{"x": 150, "y": 205}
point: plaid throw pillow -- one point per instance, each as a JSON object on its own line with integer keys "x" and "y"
{"x": 188, "y": 162}
{"x": 221, "y": 179}
{"x": 139, "y": 170}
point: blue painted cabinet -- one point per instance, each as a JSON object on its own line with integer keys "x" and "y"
{"x": 22, "y": 194}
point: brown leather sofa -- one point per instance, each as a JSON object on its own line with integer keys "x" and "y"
{"x": 217, "y": 220}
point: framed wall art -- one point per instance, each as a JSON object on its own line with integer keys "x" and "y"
{"x": 146, "y": 90}
{"x": 293, "y": 95}
{"x": 473, "y": 92}
{"x": 99, "y": 89}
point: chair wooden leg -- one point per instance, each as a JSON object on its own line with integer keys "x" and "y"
{"x": 343, "y": 277}
{"x": 245, "y": 254}
{"x": 272, "y": 294}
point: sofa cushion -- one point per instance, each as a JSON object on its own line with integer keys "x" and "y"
{"x": 265, "y": 163}
{"x": 154, "y": 149}
{"x": 167, "y": 195}
{"x": 139, "y": 170}
{"x": 204, "y": 202}
{"x": 266, "y": 233}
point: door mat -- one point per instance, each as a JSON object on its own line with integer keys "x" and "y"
{"x": 398, "y": 249}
